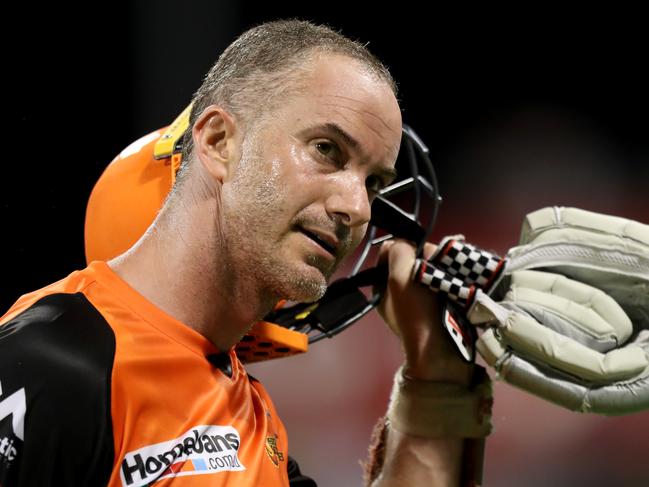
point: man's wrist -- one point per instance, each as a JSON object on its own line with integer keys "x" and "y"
{"x": 441, "y": 409}
{"x": 441, "y": 369}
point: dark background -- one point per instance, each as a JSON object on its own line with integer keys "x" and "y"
{"x": 520, "y": 109}
{"x": 84, "y": 83}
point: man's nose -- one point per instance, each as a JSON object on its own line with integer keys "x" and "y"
{"x": 350, "y": 202}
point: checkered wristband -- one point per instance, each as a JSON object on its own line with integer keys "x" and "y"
{"x": 439, "y": 281}
{"x": 471, "y": 264}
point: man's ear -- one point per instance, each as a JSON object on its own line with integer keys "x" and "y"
{"x": 215, "y": 141}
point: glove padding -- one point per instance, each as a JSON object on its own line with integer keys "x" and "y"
{"x": 575, "y": 333}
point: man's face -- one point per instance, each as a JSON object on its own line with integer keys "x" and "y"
{"x": 299, "y": 200}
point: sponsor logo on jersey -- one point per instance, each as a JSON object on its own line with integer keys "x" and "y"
{"x": 274, "y": 454}
{"x": 8, "y": 451}
{"x": 204, "y": 449}
{"x": 12, "y": 433}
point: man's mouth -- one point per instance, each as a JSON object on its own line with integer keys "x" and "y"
{"x": 329, "y": 246}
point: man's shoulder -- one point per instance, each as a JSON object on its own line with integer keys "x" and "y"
{"x": 56, "y": 360}
{"x": 76, "y": 281}
{"x": 59, "y": 351}
{"x": 63, "y": 331}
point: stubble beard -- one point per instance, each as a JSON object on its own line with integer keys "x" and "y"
{"x": 253, "y": 238}
{"x": 264, "y": 267}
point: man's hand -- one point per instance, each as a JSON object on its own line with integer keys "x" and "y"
{"x": 433, "y": 410}
{"x": 414, "y": 315}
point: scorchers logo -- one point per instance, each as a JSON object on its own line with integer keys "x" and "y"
{"x": 204, "y": 449}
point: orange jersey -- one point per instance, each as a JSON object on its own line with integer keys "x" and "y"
{"x": 100, "y": 387}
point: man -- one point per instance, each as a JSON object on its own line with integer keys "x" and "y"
{"x": 124, "y": 373}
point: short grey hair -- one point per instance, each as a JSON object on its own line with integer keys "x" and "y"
{"x": 260, "y": 67}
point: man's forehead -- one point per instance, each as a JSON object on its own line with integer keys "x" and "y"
{"x": 385, "y": 159}
{"x": 341, "y": 82}
{"x": 337, "y": 95}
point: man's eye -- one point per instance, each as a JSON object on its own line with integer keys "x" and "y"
{"x": 329, "y": 150}
{"x": 374, "y": 184}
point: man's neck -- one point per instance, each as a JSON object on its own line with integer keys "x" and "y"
{"x": 181, "y": 265}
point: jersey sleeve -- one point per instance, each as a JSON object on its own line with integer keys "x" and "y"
{"x": 55, "y": 373}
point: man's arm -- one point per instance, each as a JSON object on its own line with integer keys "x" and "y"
{"x": 424, "y": 401}
{"x": 411, "y": 460}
